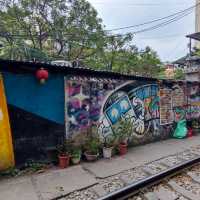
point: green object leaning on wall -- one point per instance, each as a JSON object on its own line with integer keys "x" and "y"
{"x": 181, "y": 130}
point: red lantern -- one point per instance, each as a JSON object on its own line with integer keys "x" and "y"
{"x": 42, "y": 75}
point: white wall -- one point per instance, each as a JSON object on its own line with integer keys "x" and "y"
{"x": 192, "y": 77}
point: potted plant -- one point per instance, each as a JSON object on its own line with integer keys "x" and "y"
{"x": 123, "y": 131}
{"x": 64, "y": 154}
{"x": 108, "y": 146}
{"x": 76, "y": 155}
{"x": 78, "y": 142}
{"x": 92, "y": 145}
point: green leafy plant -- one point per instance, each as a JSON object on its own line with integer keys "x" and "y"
{"x": 179, "y": 74}
{"x": 123, "y": 130}
{"x": 92, "y": 144}
{"x": 65, "y": 147}
{"x": 34, "y": 166}
{"x": 10, "y": 172}
{"x": 76, "y": 152}
{"x": 109, "y": 141}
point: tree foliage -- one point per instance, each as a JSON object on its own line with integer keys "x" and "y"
{"x": 46, "y": 30}
{"x": 60, "y": 29}
{"x": 179, "y": 74}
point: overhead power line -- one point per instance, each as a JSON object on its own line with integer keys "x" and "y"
{"x": 162, "y": 24}
{"x": 145, "y": 23}
{"x": 155, "y": 20}
{"x": 163, "y": 36}
{"x": 165, "y": 23}
{"x": 177, "y": 16}
{"x": 139, "y": 4}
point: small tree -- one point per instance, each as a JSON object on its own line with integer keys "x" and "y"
{"x": 179, "y": 74}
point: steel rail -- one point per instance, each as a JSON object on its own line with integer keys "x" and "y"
{"x": 133, "y": 188}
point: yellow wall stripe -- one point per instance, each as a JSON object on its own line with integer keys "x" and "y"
{"x": 6, "y": 146}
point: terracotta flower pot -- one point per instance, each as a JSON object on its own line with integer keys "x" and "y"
{"x": 63, "y": 161}
{"x": 107, "y": 152}
{"x": 189, "y": 134}
{"x": 91, "y": 157}
{"x": 123, "y": 148}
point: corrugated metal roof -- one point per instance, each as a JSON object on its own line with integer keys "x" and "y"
{"x": 31, "y": 67}
{"x": 195, "y": 36}
{"x": 187, "y": 58}
{"x": 181, "y": 61}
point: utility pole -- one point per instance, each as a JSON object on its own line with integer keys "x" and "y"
{"x": 197, "y": 21}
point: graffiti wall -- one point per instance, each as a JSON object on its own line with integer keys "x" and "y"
{"x": 136, "y": 101}
{"x": 193, "y": 109}
{"x": 84, "y": 99}
{"x": 193, "y": 101}
{"x": 152, "y": 108}
{"x": 105, "y": 102}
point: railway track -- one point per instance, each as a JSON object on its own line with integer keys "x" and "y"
{"x": 176, "y": 177}
{"x": 144, "y": 189}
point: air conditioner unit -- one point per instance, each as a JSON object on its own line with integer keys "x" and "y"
{"x": 61, "y": 63}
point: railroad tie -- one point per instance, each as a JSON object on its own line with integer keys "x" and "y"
{"x": 151, "y": 196}
{"x": 194, "y": 176}
{"x": 181, "y": 190}
{"x": 165, "y": 194}
{"x": 161, "y": 194}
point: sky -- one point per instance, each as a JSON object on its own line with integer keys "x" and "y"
{"x": 169, "y": 41}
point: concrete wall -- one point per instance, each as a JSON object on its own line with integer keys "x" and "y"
{"x": 192, "y": 76}
{"x": 36, "y": 114}
{"x": 45, "y": 100}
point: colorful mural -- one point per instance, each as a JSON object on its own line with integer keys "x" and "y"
{"x": 84, "y": 98}
{"x": 186, "y": 101}
{"x": 138, "y": 102}
{"x": 193, "y": 110}
{"x": 179, "y": 102}
{"x": 104, "y": 104}
{"x": 6, "y": 148}
{"x": 152, "y": 108}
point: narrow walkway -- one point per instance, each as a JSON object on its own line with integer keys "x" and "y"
{"x": 57, "y": 183}
{"x": 140, "y": 155}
